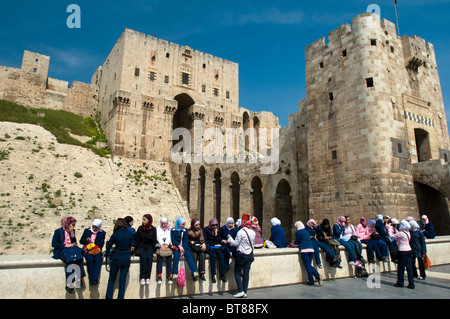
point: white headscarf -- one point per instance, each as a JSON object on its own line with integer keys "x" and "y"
{"x": 404, "y": 225}
{"x": 299, "y": 225}
{"x": 414, "y": 225}
{"x": 275, "y": 221}
{"x": 229, "y": 219}
{"x": 98, "y": 223}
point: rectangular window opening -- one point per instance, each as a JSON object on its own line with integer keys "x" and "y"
{"x": 331, "y": 96}
{"x": 344, "y": 53}
{"x": 136, "y": 72}
{"x": 399, "y": 147}
{"x": 184, "y": 78}
{"x": 334, "y": 155}
{"x": 373, "y": 42}
{"x": 369, "y": 82}
{"x": 321, "y": 65}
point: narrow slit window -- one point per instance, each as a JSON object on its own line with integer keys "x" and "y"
{"x": 334, "y": 155}
{"x": 331, "y": 96}
{"x": 136, "y": 72}
{"x": 344, "y": 53}
{"x": 321, "y": 65}
{"x": 399, "y": 147}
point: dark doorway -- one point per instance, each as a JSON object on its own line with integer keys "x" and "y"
{"x": 217, "y": 193}
{"x": 257, "y": 199}
{"x": 433, "y": 204}
{"x": 188, "y": 186}
{"x": 201, "y": 197}
{"x": 235, "y": 194}
{"x": 283, "y": 207}
{"x": 422, "y": 144}
{"x": 181, "y": 117}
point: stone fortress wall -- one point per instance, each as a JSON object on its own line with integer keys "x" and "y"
{"x": 31, "y": 86}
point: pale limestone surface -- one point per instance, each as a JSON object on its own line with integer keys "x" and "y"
{"x": 104, "y": 191}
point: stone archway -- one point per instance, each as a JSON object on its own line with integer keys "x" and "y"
{"x": 257, "y": 199}
{"x": 181, "y": 117}
{"x": 201, "y": 195}
{"x": 235, "y": 194}
{"x": 283, "y": 207}
{"x": 217, "y": 194}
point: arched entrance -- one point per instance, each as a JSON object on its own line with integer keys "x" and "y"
{"x": 257, "y": 199}
{"x": 235, "y": 194}
{"x": 188, "y": 186}
{"x": 246, "y": 125}
{"x": 181, "y": 118}
{"x": 432, "y": 203}
{"x": 201, "y": 195}
{"x": 283, "y": 207}
{"x": 217, "y": 193}
{"x": 422, "y": 144}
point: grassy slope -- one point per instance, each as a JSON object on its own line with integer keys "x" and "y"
{"x": 58, "y": 122}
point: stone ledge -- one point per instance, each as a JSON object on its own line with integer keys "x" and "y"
{"x": 40, "y": 276}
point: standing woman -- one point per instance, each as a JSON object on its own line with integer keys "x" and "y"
{"x": 94, "y": 235}
{"x": 145, "y": 243}
{"x": 63, "y": 238}
{"x": 419, "y": 248}
{"x": 180, "y": 241}
{"x": 120, "y": 259}
{"x": 404, "y": 255}
{"x": 244, "y": 241}
{"x": 303, "y": 240}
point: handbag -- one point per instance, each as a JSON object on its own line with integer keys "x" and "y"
{"x": 73, "y": 254}
{"x": 164, "y": 252}
{"x": 426, "y": 261}
{"x": 181, "y": 279}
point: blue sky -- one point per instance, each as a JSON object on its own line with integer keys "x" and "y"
{"x": 266, "y": 38}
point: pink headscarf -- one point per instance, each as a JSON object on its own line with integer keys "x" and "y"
{"x": 246, "y": 223}
{"x": 66, "y": 222}
{"x": 362, "y": 220}
{"x": 311, "y": 223}
{"x": 340, "y": 220}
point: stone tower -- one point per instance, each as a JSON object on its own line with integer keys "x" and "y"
{"x": 375, "y": 116}
{"x": 148, "y": 87}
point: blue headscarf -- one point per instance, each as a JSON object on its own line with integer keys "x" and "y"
{"x": 178, "y": 222}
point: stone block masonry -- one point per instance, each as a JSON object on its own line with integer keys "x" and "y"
{"x": 31, "y": 86}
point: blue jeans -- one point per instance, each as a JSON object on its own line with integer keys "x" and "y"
{"x": 122, "y": 264}
{"x": 187, "y": 256}
{"x": 350, "y": 249}
{"x": 310, "y": 270}
{"x": 242, "y": 271}
{"x": 94, "y": 265}
{"x": 328, "y": 251}
{"x": 405, "y": 261}
{"x": 145, "y": 262}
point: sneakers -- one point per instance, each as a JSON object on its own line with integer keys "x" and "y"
{"x": 144, "y": 282}
{"x": 240, "y": 295}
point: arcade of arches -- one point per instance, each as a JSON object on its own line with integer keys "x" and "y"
{"x": 221, "y": 193}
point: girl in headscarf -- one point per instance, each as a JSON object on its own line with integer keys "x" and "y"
{"x": 244, "y": 243}
{"x": 419, "y": 248}
{"x": 199, "y": 249}
{"x": 375, "y": 247}
{"x": 404, "y": 255}
{"x": 180, "y": 241}
{"x": 277, "y": 234}
{"x": 306, "y": 248}
{"x": 64, "y": 237}
{"x": 259, "y": 241}
{"x": 427, "y": 227}
{"x": 331, "y": 257}
{"x": 145, "y": 244}
{"x": 213, "y": 241}
{"x": 338, "y": 232}
{"x": 164, "y": 243}
{"x": 94, "y": 235}
{"x": 224, "y": 231}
